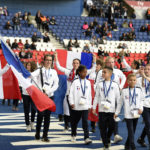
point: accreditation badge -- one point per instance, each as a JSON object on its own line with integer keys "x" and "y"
{"x": 107, "y": 104}
{"x": 82, "y": 100}
{"x": 135, "y": 113}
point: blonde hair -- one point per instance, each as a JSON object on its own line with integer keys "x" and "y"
{"x": 108, "y": 58}
{"x": 131, "y": 75}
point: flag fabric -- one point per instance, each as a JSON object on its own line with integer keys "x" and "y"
{"x": 41, "y": 101}
{"x": 65, "y": 59}
{"x": 9, "y": 87}
{"x": 13, "y": 60}
{"x": 91, "y": 116}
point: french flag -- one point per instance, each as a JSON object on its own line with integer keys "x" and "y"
{"x": 9, "y": 87}
{"x": 65, "y": 59}
{"x": 41, "y": 101}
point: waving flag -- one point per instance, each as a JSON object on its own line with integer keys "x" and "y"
{"x": 41, "y": 101}
{"x": 9, "y": 87}
{"x": 65, "y": 59}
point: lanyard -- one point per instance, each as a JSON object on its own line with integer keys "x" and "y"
{"x": 96, "y": 76}
{"x": 83, "y": 89}
{"x": 146, "y": 86}
{"x": 47, "y": 75}
{"x": 132, "y": 98}
{"x": 112, "y": 76}
{"x": 105, "y": 88}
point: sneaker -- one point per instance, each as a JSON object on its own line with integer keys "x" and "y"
{"x": 117, "y": 138}
{"x": 66, "y": 129}
{"x": 32, "y": 125}
{"x": 37, "y": 136}
{"x": 88, "y": 141}
{"x": 45, "y": 139}
{"x": 73, "y": 139}
{"x": 28, "y": 129}
{"x": 141, "y": 142}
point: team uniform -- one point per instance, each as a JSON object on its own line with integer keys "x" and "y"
{"x": 80, "y": 97}
{"x": 71, "y": 75}
{"x": 117, "y": 76}
{"x": 145, "y": 85}
{"x": 28, "y": 105}
{"x": 132, "y": 98}
{"x": 107, "y": 95}
{"x": 50, "y": 85}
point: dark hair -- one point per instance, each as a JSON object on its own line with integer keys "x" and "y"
{"x": 77, "y": 60}
{"x": 100, "y": 62}
{"x": 33, "y": 65}
{"x": 137, "y": 64}
{"x": 47, "y": 55}
{"x": 108, "y": 68}
{"x": 80, "y": 69}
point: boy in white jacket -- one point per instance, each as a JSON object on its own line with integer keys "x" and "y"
{"x": 107, "y": 95}
{"x": 132, "y": 97}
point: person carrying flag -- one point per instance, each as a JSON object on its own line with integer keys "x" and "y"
{"x": 71, "y": 75}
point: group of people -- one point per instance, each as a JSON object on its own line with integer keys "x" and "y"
{"x": 110, "y": 95}
{"x": 108, "y": 9}
{"x": 16, "y": 21}
{"x": 109, "y": 82}
{"x": 101, "y": 31}
{"x": 43, "y": 22}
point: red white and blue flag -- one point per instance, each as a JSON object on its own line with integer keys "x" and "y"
{"x": 9, "y": 87}
{"x": 65, "y": 59}
{"x": 41, "y": 101}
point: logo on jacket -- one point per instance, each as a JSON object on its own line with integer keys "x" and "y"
{"x": 78, "y": 88}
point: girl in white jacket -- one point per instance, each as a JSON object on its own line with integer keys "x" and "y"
{"x": 80, "y": 100}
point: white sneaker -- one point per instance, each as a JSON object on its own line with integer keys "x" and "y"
{"x": 88, "y": 141}
{"x": 117, "y": 138}
{"x": 73, "y": 139}
{"x": 28, "y": 129}
{"x": 32, "y": 125}
{"x": 66, "y": 130}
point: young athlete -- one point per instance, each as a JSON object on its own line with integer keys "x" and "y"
{"x": 144, "y": 83}
{"x": 28, "y": 103}
{"x": 107, "y": 95}
{"x": 118, "y": 77}
{"x": 47, "y": 80}
{"x": 71, "y": 75}
{"x": 80, "y": 100}
{"x": 132, "y": 98}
